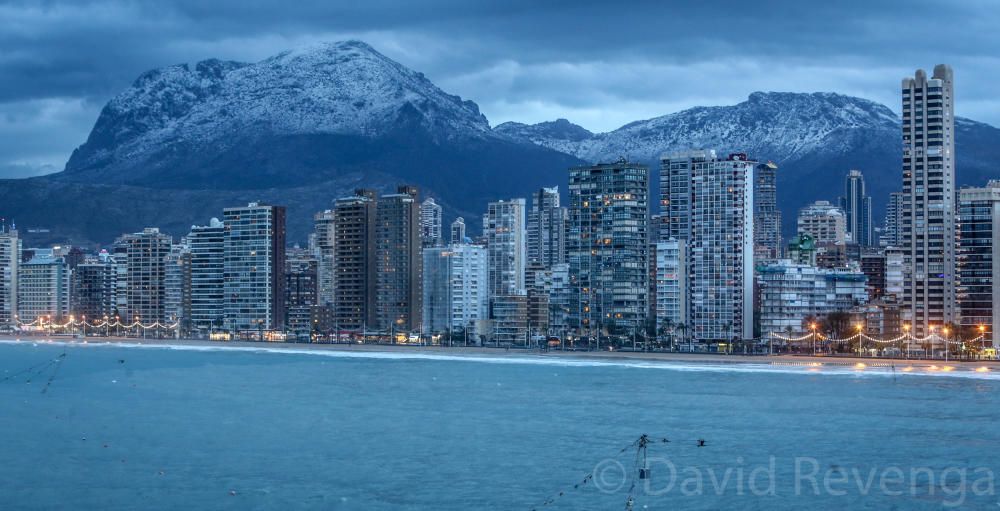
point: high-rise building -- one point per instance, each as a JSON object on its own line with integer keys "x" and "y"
{"x": 43, "y": 285}
{"x": 671, "y": 285}
{"x": 430, "y": 223}
{"x": 547, "y": 228}
{"x": 873, "y": 265}
{"x": 301, "y": 291}
{"x": 145, "y": 260}
{"x": 354, "y": 284}
{"x": 675, "y": 191}
{"x": 978, "y": 257}
{"x": 893, "y": 221}
{"x": 254, "y": 268}
{"x": 93, "y": 288}
{"x": 607, "y": 247}
{"x": 10, "y": 258}
{"x": 207, "y": 246}
{"x": 720, "y": 250}
{"x": 857, "y": 207}
{"x": 823, "y": 221}
{"x": 766, "y": 215}
{"x": 455, "y": 298}
{"x": 928, "y": 230}
{"x": 177, "y": 287}
{"x": 324, "y": 250}
{"x": 398, "y": 267}
{"x": 504, "y": 229}
{"x": 458, "y": 231}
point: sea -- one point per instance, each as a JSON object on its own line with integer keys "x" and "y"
{"x": 116, "y": 426}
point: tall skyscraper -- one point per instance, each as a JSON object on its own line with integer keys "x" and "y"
{"x": 145, "y": 259}
{"x": 825, "y": 222}
{"x": 504, "y": 229}
{"x": 455, "y": 291}
{"x": 177, "y": 284}
{"x": 979, "y": 259}
{"x": 10, "y": 258}
{"x": 857, "y": 206}
{"x": 301, "y": 291}
{"x": 398, "y": 261}
{"x": 928, "y": 230}
{"x": 93, "y": 288}
{"x": 207, "y": 245}
{"x": 430, "y": 223}
{"x": 720, "y": 253}
{"x": 254, "y": 268}
{"x": 354, "y": 284}
{"x": 607, "y": 247}
{"x": 547, "y": 228}
{"x": 675, "y": 191}
{"x": 766, "y": 215}
{"x": 671, "y": 285}
{"x": 458, "y": 231}
{"x": 893, "y": 220}
{"x": 324, "y": 250}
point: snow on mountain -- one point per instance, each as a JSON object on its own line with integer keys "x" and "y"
{"x": 344, "y": 88}
{"x": 773, "y": 125}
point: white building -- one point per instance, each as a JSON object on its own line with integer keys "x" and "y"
{"x": 823, "y": 221}
{"x": 10, "y": 256}
{"x": 790, "y": 292}
{"x": 456, "y": 296}
{"x": 671, "y": 284}
{"x": 207, "y": 245}
{"x": 254, "y": 267}
{"x": 720, "y": 250}
{"x": 430, "y": 223}
{"x": 504, "y": 229}
{"x": 43, "y": 285}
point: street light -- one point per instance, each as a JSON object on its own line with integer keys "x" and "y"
{"x": 982, "y": 340}
{"x": 906, "y": 334}
{"x": 860, "y": 339}
{"x": 947, "y": 348}
{"x": 813, "y": 327}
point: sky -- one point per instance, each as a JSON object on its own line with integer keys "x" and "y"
{"x": 598, "y": 64}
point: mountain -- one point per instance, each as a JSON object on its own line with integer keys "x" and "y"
{"x": 300, "y": 129}
{"x": 307, "y": 126}
{"x": 814, "y": 138}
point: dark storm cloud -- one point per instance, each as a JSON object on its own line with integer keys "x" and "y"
{"x": 600, "y": 64}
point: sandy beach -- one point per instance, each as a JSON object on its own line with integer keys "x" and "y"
{"x": 610, "y": 356}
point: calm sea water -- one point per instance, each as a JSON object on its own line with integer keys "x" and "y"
{"x": 156, "y": 428}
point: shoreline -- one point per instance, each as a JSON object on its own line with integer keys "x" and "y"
{"x": 608, "y": 356}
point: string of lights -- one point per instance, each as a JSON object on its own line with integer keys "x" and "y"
{"x": 74, "y": 323}
{"x": 933, "y": 337}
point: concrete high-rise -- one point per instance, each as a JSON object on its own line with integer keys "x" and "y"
{"x": 354, "y": 284}
{"x": 430, "y": 223}
{"x": 10, "y": 258}
{"x": 207, "y": 245}
{"x": 766, "y": 215}
{"x": 546, "y": 228}
{"x": 398, "y": 264}
{"x": 504, "y": 229}
{"x": 979, "y": 259}
{"x": 43, "y": 285}
{"x": 456, "y": 298}
{"x": 893, "y": 220}
{"x": 608, "y": 247}
{"x": 928, "y": 230}
{"x": 720, "y": 250}
{"x": 825, "y": 222}
{"x": 254, "y": 268}
{"x": 93, "y": 288}
{"x": 458, "y": 231}
{"x": 145, "y": 260}
{"x": 857, "y": 206}
{"x": 177, "y": 287}
{"x": 323, "y": 244}
{"x": 675, "y": 191}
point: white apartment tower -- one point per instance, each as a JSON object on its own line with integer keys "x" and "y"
{"x": 430, "y": 223}
{"x": 928, "y": 228}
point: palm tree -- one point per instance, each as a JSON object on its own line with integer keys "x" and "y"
{"x": 682, "y": 328}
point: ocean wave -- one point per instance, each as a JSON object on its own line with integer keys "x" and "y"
{"x": 778, "y": 367}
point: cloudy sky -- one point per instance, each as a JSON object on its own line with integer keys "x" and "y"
{"x": 599, "y": 64}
